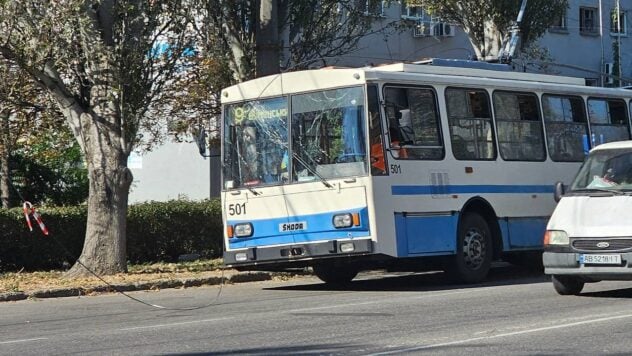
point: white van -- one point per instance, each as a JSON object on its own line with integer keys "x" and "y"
{"x": 589, "y": 235}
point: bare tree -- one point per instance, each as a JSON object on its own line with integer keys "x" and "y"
{"x": 102, "y": 63}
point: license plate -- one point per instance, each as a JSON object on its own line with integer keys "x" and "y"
{"x": 295, "y": 226}
{"x": 600, "y": 259}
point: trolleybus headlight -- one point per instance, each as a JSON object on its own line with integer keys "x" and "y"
{"x": 243, "y": 230}
{"x": 555, "y": 237}
{"x": 343, "y": 220}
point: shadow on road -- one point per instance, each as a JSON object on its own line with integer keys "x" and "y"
{"x": 424, "y": 281}
{"x": 625, "y": 293}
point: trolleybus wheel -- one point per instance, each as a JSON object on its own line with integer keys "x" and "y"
{"x": 335, "y": 274}
{"x": 473, "y": 251}
{"x": 566, "y": 285}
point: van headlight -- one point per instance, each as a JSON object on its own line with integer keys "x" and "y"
{"x": 556, "y": 237}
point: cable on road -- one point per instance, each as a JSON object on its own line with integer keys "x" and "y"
{"x": 29, "y": 210}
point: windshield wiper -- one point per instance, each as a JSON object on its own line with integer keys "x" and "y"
{"x": 312, "y": 171}
{"x": 602, "y": 190}
{"x": 252, "y": 190}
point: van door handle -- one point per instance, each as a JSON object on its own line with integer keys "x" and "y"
{"x": 352, "y": 180}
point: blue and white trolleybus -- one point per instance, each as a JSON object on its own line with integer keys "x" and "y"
{"x": 404, "y": 166}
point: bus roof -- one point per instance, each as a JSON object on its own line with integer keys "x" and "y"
{"x": 472, "y": 71}
{"x": 317, "y": 79}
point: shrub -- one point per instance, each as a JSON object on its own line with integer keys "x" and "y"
{"x": 162, "y": 231}
{"x": 156, "y": 232}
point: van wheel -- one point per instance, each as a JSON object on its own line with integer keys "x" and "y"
{"x": 335, "y": 274}
{"x": 473, "y": 250}
{"x": 565, "y": 285}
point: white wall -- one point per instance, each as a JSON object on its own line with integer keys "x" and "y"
{"x": 171, "y": 171}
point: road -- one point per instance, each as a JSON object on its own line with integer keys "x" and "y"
{"x": 514, "y": 313}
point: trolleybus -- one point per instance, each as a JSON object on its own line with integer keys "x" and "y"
{"x": 445, "y": 164}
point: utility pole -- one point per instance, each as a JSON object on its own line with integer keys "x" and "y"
{"x": 267, "y": 38}
{"x": 602, "y": 64}
{"x": 618, "y": 12}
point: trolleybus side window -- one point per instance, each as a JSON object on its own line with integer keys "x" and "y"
{"x": 608, "y": 120}
{"x": 413, "y": 121}
{"x": 328, "y": 134}
{"x": 519, "y": 126}
{"x": 470, "y": 121}
{"x": 566, "y": 127}
{"x": 378, "y": 165}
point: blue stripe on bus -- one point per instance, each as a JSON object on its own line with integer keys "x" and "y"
{"x": 469, "y": 189}
{"x": 319, "y": 227}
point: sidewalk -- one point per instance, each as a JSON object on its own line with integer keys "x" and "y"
{"x": 93, "y": 286}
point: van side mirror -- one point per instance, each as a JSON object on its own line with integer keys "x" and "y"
{"x": 559, "y": 191}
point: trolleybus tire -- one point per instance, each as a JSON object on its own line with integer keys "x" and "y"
{"x": 474, "y": 250}
{"x": 335, "y": 274}
{"x": 567, "y": 285}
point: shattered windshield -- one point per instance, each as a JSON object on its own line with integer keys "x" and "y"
{"x": 328, "y": 134}
{"x": 328, "y": 139}
{"x": 255, "y": 143}
{"x": 609, "y": 169}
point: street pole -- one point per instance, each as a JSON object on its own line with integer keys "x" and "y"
{"x": 603, "y": 61}
{"x": 618, "y": 9}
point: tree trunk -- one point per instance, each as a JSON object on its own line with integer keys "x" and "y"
{"x": 4, "y": 178}
{"x": 104, "y": 249}
{"x": 5, "y": 194}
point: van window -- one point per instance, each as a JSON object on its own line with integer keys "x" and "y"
{"x": 413, "y": 121}
{"x": 470, "y": 120}
{"x": 606, "y": 169}
{"x": 519, "y": 126}
{"x": 566, "y": 127}
{"x": 608, "y": 120}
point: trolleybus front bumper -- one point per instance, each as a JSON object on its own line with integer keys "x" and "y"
{"x": 296, "y": 252}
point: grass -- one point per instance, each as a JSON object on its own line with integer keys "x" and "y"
{"x": 31, "y": 281}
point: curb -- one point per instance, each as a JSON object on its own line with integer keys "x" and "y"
{"x": 241, "y": 277}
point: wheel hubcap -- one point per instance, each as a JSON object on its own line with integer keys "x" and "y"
{"x": 474, "y": 249}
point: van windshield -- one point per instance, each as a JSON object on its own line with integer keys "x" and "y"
{"x": 605, "y": 169}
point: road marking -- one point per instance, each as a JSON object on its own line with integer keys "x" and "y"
{"x": 174, "y": 324}
{"x": 528, "y": 331}
{"x": 377, "y": 301}
{"x": 22, "y": 340}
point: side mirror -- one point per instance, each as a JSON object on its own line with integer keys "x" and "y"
{"x": 200, "y": 141}
{"x": 559, "y": 191}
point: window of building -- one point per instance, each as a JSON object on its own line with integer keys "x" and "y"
{"x": 519, "y": 126}
{"x": 618, "y": 23}
{"x": 566, "y": 127}
{"x": 470, "y": 120}
{"x": 608, "y": 120}
{"x": 413, "y": 123}
{"x": 560, "y": 24}
{"x": 413, "y": 12}
{"x": 588, "y": 20}
{"x": 374, "y": 7}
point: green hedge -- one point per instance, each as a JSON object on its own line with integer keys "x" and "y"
{"x": 156, "y": 231}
